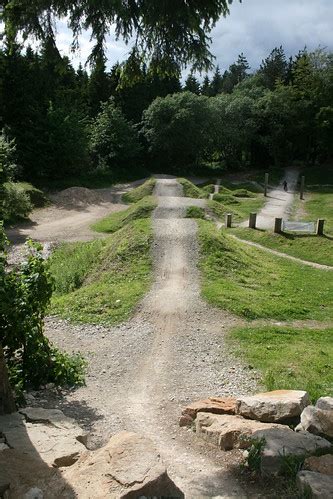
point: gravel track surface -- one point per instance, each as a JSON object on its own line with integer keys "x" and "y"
{"x": 172, "y": 352}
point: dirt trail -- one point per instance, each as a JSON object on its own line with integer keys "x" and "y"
{"x": 173, "y": 351}
{"x": 278, "y": 202}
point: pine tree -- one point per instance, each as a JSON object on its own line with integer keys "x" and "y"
{"x": 216, "y": 83}
{"x": 192, "y": 84}
{"x": 274, "y": 68}
{"x": 205, "y": 87}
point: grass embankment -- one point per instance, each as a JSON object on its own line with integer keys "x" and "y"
{"x": 306, "y": 246}
{"x": 140, "y": 192}
{"x": 102, "y": 281}
{"x": 117, "y": 220}
{"x": 255, "y": 284}
{"x": 190, "y": 190}
{"x": 289, "y": 358}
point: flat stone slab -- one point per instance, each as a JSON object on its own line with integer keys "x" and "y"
{"x": 129, "y": 466}
{"x": 279, "y": 443}
{"x": 320, "y": 464}
{"x": 317, "y": 421}
{"x": 47, "y": 435}
{"x": 228, "y": 432}
{"x": 214, "y": 405}
{"x": 274, "y": 406}
{"x": 318, "y": 485}
{"x": 325, "y": 403}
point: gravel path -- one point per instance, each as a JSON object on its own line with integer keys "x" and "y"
{"x": 172, "y": 352}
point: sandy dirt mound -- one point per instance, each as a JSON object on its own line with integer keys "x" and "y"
{"x": 77, "y": 196}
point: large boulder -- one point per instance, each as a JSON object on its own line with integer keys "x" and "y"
{"x": 317, "y": 421}
{"x": 275, "y": 406}
{"x": 320, "y": 464}
{"x": 229, "y": 432}
{"x": 48, "y": 434}
{"x": 129, "y": 466}
{"x": 315, "y": 485}
{"x": 279, "y": 443}
{"x": 214, "y": 405}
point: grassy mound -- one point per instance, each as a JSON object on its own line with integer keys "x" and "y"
{"x": 102, "y": 281}
{"x": 305, "y": 246}
{"x": 190, "y": 190}
{"x": 289, "y": 358}
{"x": 117, "y": 220}
{"x": 140, "y": 192}
{"x": 195, "y": 212}
{"x": 254, "y": 284}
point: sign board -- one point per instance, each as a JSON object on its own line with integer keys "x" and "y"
{"x": 308, "y": 227}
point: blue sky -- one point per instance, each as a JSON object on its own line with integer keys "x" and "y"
{"x": 254, "y": 27}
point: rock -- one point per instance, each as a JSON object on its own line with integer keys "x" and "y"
{"x": 3, "y": 446}
{"x": 127, "y": 467}
{"x": 317, "y": 421}
{"x": 34, "y": 493}
{"x": 315, "y": 485}
{"x": 22, "y": 473}
{"x": 228, "y": 432}
{"x": 325, "y": 403}
{"x": 280, "y": 442}
{"x": 320, "y": 464}
{"x": 278, "y": 405}
{"x": 47, "y": 433}
{"x": 215, "y": 405}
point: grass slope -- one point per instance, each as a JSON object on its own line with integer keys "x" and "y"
{"x": 254, "y": 284}
{"x": 117, "y": 220}
{"x": 102, "y": 281}
{"x": 289, "y": 358}
{"x": 306, "y": 246}
{"x": 190, "y": 190}
{"x": 135, "y": 195}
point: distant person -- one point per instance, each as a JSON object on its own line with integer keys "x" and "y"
{"x": 285, "y": 186}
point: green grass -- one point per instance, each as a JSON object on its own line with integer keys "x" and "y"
{"x": 195, "y": 212}
{"x": 255, "y": 284}
{"x": 320, "y": 205}
{"x": 102, "y": 281}
{"x": 138, "y": 193}
{"x": 305, "y": 246}
{"x": 118, "y": 219}
{"x": 240, "y": 210}
{"x": 190, "y": 190}
{"x": 289, "y": 358}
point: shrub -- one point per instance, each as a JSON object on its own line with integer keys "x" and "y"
{"x": 16, "y": 203}
{"x": 225, "y": 198}
{"x": 195, "y": 212}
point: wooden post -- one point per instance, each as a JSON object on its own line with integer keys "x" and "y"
{"x": 301, "y": 194}
{"x": 278, "y": 226}
{"x": 320, "y": 227}
{"x": 266, "y": 183}
{"x": 252, "y": 220}
{"x": 228, "y": 220}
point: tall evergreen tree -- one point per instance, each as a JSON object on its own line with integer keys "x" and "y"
{"x": 216, "y": 83}
{"x": 274, "y": 68}
{"x": 192, "y": 84}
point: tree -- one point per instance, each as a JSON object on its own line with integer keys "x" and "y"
{"x": 178, "y": 30}
{"x": 236, "y": 74}
{"x": 192, "y": 84}
{"x": 274, "y": 68}
{"x": 216, "y": 83}
{"x": 113, "y": 142}
{"x": 205, "y": 87}
{"x": 178, "y": 129}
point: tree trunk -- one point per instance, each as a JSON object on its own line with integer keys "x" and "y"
{"x": 7, "y": 404}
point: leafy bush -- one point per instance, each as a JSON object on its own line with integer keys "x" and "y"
{"x": 16, "y": 203}
{"x": 25, "y": 293}
{"x": 225, "y": 198}
{"x": 243, "y": 193}
{"x": 36, "y": 196}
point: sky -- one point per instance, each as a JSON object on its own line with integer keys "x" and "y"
{"x": 253, "y": 27}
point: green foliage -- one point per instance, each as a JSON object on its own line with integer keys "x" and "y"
{"x": 113, "y": 140}
{"x": 8, "y": 167}
{"x": 254, "y": 454}
{"x": 114, "y": 276}
{"x": 291, "y": 465}
{"x": 289, "y": 357}
{"x": 243, "y": 193}
{"x": 195, "y": 212}
{"x": 138, "y": 193}
{"x": 225, "y": 199}
{"x": 253, "y": 283}
{"x": 16, "y": 202}
{"x": 117, "y": 220}
{"x": 37, "y": 197}
{"x": 25, "y": 293}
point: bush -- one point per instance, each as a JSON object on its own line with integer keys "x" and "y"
{"x": 195, "y": 212}
{"x": 243, "y": 193}
{"x": 225, "y": 198}
{"x": 16, "y": 203}
{"x": 25, "y": 293}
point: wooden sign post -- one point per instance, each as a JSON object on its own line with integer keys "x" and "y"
{"x": 266, "y": 183}
{"x": 301, "y": 194}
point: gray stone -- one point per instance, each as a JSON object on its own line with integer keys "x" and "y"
{"x": 34, "y": 493}
{"x": 129, "y": 466}
{"x": 3, "y": 446}
{"x": 229, "y": 432}
{"x": 275, "y": 406}
{"x": 317, "y": 421}
{"x": 279, "y": 443}
{"x": 320, "y": 464}
{"x": 325, "y": 403}
{"x": 317, "y": 485}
